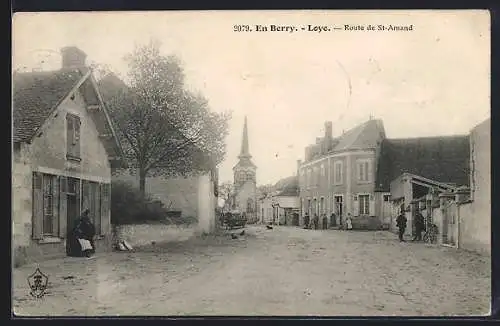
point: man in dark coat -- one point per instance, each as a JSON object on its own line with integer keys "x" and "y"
{"x": 325, "y": 222}
{"x": 306, "y": 221}
{"x": 419, "y": 226}
{"x": 316, "y": 221}
{"x": 401, "y": 224}
{"x": 333, "y": 220}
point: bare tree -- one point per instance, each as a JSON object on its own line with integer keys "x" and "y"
{"x": 225, "y": 191}
{"x": 165, "y": 129}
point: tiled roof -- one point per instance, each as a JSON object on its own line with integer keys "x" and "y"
{"x": 35, "y": 95}
{"x": 361, "y": 137}
{"x": 443, "y": 159}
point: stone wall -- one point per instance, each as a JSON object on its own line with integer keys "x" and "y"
{"x": 144, "y": 234}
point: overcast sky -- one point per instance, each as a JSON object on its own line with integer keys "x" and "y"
{"x": 433, "y": 80}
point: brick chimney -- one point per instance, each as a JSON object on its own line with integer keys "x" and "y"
{"x": 73, "y": 57}
{"x": 327, "y": 145}
{"x": 299, "y": 163}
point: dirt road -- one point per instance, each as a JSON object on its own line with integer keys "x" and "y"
{"x": 284, "y": 271}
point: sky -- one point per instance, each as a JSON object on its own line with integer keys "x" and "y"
{"x": 432, "y": 80}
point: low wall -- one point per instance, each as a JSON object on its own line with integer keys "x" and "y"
{"x": 144, "y": 234}
{"x": 475, "y": 231}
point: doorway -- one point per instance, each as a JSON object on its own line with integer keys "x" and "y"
{"x": 339, "y": 207}
{"x": 71, "y": 215}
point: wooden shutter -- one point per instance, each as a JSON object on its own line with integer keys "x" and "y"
{"x": 70, "y": 133}
{"x": 356, "y": 205}
{"x": 76, "y": 146}
{"x": 78, "y": 198}
{"x": 37, "y": 215}
{"x": 372, "y": 205}
{"x": 96, "y": 191}
{"x": 85, "y": 195}
{"x": 62, "y": 206}
{"x": 369, "y": 169}
{"x": 105, "y": 208}
{"x": 55, "y": 205}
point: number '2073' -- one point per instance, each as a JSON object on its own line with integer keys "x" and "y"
{"x": 241, "y": 28}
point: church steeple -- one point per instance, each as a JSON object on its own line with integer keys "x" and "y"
{"x": 245, "y": 151}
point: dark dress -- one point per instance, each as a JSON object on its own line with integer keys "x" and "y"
{"x": 84, "y": 229}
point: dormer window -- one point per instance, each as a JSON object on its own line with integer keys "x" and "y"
{"x": 73, "y": 124}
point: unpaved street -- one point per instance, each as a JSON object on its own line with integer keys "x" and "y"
{"x": 284, "y": 271}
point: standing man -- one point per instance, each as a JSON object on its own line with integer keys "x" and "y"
{"x": 401, "y": 224}
{"x": 316, "y": 221}
{"x": 419, "y": 226}
{"x": 306, "y": 221}
{"x": 325, "y": 222}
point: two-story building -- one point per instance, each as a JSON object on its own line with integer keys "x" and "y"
{"x": 64, "y": 147}
{"x": 338, "y": 175}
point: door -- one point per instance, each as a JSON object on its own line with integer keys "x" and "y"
{"x": 386, "y": 210}
{"x": 339, "y": 208}
{"x": 71, "y": 215}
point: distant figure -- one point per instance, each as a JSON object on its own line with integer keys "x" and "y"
{"x": 316, "y": 221}
{"x": 333, "y": 220}
{"x": 419, "y": 226}
{"x": 401, "y": 224}
{"x": 306, "y": 221}
{"x": 325, "y": 222}
{"x": 348, "y": 222}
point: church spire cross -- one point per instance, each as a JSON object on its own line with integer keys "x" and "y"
{"x": 245, "y": 152}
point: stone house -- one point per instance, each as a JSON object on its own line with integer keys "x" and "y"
{"x": 281, "y": 204}
{"x": 409, "y": 168}
{"x": 64, "y": 148}
{"x": 338, "y": 175}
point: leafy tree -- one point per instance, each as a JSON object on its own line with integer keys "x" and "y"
{"x": 164, "y": 128}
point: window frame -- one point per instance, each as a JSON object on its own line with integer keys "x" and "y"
{"x": 364, "y": 205}
{"x": 73, "y": 144}
{"x": 338, "y": 166}
{"x": 363, "y": 170}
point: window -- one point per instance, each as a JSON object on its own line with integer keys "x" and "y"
{"x": 387, "y": 198}
{"x": 73, "y": 124}
{"x": 49, "y": 205}
{"x": 364, "y": 204}
{"x": 322, "y": 170}
{"x": 92, "y": 201}
{"x": 338, "y": 176}
{"x": 363, "y": 167}
{"x": 316, "y": 176}
{"x": 250, "y": 205}
{"x": 309, "y": 179}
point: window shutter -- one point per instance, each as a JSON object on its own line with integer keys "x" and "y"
{"x": 86, "y": 196}
{"x": 55, "y": 205}
{"x": 78, "y": 198}
{"x": 372, "y": 205}
{"x": 96, "y": 192}
{"x": 62, "y": 207}
{"x": 356, "y": 206}
{"x": 358, "y": 168}
{"x": 105, "y": 208}
{"x": 37, "y": 215}
{"x": 69, "y": 135}
{"x": 76, "y": 147}
{"x": 370, "y": 171}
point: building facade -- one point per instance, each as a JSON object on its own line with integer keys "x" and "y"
{"x": 281, "y": 204}
{"x": 338, "y": 175}
{"x": 475, "y": 216}
{"x": 64, "y": 148}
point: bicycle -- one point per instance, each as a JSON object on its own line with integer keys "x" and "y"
{"x": 431, "y": 234}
